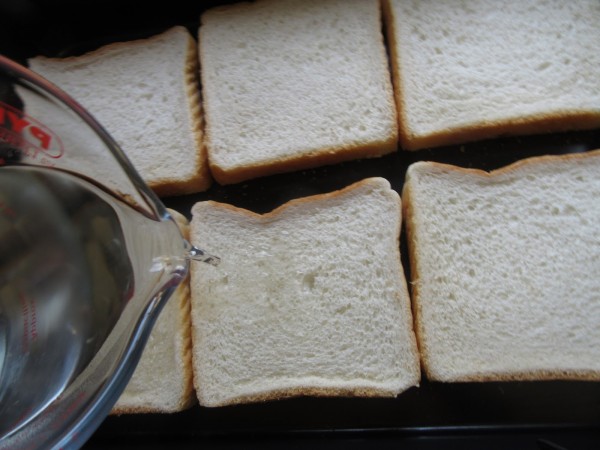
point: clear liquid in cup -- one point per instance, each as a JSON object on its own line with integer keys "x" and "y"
{"x": 71, "y": 258}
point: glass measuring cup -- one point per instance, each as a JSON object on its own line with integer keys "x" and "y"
{"x": 88, "y": 256}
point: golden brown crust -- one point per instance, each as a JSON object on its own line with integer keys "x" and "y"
{"x": 192, "y": 81}
{"x": 188, "y": 397}
{"x": 141, "y": 409}
{"x": 317, "y": 158}
{"x": 534, "y": 375}
{"x": 193, "y": 331}
{"x": 202, "y": 180}
{"x": 389, "y": 24}
{"x": 407, "y": 213}
{"x": 406, "y": 305}
{"x": 566, "y": 120}
{"x": 413, "y": 245}
{"x": 271, "y": 215}
{"x": 304, "y": 391}
{"x": 518, "y": 165}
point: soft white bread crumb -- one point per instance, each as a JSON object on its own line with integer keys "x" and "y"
{"x": 146, "y": 94}
{"x": 290, "y": 84}
{"x": 309, "y": 299}
{"x": 505, "y": 268}
{"x": 474, "y": 69}
{"x": 162, "y": 380}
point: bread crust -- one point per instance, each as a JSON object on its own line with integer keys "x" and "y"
{"x": 303, "y": 391}
{"x": 542, "y": 123}
{"x": 317, "y": 158}
{"x": 389, "y": 25}
{"x": 511, "y": 168}
{"x": 275, "y": 213}
{"x": 414, "y": 258}
{"x": 203, "y": 179}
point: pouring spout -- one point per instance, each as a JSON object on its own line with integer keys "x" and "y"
{"x": 196, "y": 254}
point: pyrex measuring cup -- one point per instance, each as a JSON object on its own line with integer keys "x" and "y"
{"x": 88, "y": 256}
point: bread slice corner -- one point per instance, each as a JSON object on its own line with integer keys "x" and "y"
{"x": 146, "y": 94}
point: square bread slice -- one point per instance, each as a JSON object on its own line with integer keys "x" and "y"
{"x": 162, "y": 381}
{"x": 146, "y": 94}
{"x": 292, "y": 84}
{"x": 505, "y": 268}
{"x": 477, "y": 69}
{"x": 309, "y": 299}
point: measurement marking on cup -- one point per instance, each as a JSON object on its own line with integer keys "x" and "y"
{"x": 29, "y": 315}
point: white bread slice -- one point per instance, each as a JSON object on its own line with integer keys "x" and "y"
{"x": 292, "y": 84}
{"x": 309, "y": 299}
{"x": 146, "y": 94}
{"x": 505, "y": 268}
{"x": 476, "y": 69}
{"x": 162, "y": 381}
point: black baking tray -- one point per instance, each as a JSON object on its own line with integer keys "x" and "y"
{"x": 516, "y": 415}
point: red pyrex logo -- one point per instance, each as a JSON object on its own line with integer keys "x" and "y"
{"x": 27, "y": 134}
